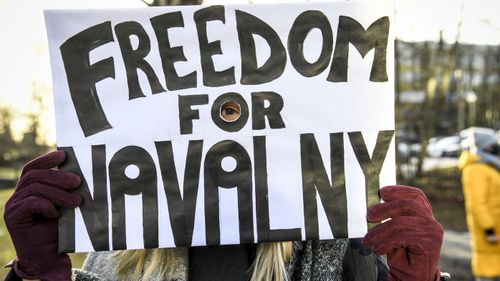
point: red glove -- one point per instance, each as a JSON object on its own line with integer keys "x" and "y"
{"x": 411, "y": 239}
{"x": 31, "y": 216}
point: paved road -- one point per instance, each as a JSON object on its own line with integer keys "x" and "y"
{"x": 455, "y": 255}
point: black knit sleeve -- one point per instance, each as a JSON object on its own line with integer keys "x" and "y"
{"x": 361, "y": 264}
{"x": 82, "y": 275}
{"x": 12, "y": 276}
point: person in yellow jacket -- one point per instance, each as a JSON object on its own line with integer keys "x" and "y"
{"x": 480, "y": 165}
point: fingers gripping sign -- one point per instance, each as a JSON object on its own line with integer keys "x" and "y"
{"x": 31, "y": 216}
{"x": 411, "y": 238}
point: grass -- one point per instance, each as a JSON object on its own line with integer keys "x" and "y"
{"x": 9, "y": 173}
{"x": 7, "y": 252}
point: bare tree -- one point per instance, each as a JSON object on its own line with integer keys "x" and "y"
{"x": 8, "y": 148}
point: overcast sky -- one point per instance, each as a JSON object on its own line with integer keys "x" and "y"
{"x": 24, "y": 51}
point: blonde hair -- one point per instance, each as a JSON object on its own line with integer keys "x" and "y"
{"x": 269, "y": 264}
{"x": 159, "y": 264}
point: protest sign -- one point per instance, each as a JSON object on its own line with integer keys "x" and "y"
{"x": 210, "y": 125}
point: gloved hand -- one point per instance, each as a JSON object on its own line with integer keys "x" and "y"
{"x": 411, "y": 239}
{"x": 31, "y": 216}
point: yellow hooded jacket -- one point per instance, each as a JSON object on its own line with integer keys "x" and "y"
{"x": 481, "y": 186}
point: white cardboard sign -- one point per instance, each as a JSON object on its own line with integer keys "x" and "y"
{"x": 140, "y": 96}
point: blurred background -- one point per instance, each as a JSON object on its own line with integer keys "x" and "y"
{"x": 447, "y": 79}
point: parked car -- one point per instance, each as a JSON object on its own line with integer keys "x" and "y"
{"x": 408, "y": 143}
{"x": 444, "y": 146}
{"x": 466, "y": 140}
{"x": 407, "y": 150}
